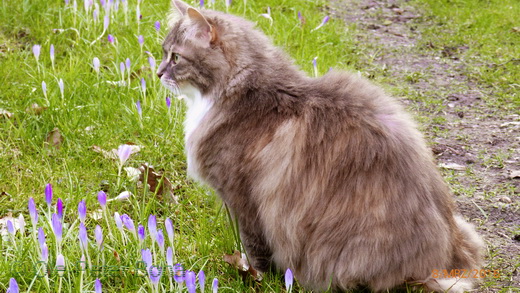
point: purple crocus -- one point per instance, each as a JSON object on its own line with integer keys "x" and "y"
{"x": 143, "y": 85}
{"x": 190, "y": 281}
{"x": 96, "y": 64}
{"x": 168, "y": 102}
{"x": 323, "y": 22}
{"x": 201, "y": 4}
{"x": 300, "y": 17}
{"x": 13, "y": 286}
{"x": 57, "y": 227}
{"x": 61, "y": 85}
{"x": 119, "y": 222}
{"x": 41, "y": 236}
{"x": 60, "y": 265}
{"x": 102, "y": 198}
{"x": 128, "y": 222}
{"x": 10, "y": 227}
{"x": 44, "y": 89}
{"x": 106, "y": 22}
{"x": 123, "y": 152}
{"x": 95, "y": 14}
{"x": 169, "y": 229}
{"x": 202, "y": 280}
{"x": 36, "y": 51}
{"x": 155, "y": 274}
{"x": 152, "y": 227}
{"x": 83, "y": 239}
{"x": 228, "y": 3}
{"x": 82, "y": 211}
{"x": 122, "y": 68}
{"x": 128, "y": 64}
{"x": 215, "y": 285}
{"x": 97, "y": 286}
{"x": 151, "y": 61}
{"x": 178, "y": 273}
{"x": 51, "y": 53}
{"x": 33, "y": 212}
{"x": 141, "y": 233}
{"x": 59, "y": 208}
{"x": 288, "y": 279}
{"x": 21, "y": 224}
{"x": 110, "y": 38}
{"x": 140, "y": 39}
{"x": 98, "y": 234}
{"x": 157, "y": 25}
{"x": 48, "y": 187}
{"x": 169, "y": 257}
{"x": 160, "y": 239}
{"x": 45, "y": 252}
{"x": 139, "y": 109}
{"x": 146, "y": 256}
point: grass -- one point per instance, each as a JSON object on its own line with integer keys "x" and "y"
{"x": 96, "y": 111}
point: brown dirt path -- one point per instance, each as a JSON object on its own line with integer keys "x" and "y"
{"x": 477, "y": 144}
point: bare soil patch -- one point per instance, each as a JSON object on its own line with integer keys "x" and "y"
{"x": 477, "y": 141}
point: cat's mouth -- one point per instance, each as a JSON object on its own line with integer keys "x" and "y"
{"x": 171, "y": 85}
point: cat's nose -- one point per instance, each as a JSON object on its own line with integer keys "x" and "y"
{"x": 159, "y": 74}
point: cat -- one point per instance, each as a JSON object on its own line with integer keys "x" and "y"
{"x": 327, "y": 176}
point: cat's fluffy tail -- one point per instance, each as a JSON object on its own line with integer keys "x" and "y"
{"x": 468, "y": 249}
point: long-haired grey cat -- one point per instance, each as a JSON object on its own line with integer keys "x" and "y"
{"x": 327, "y": 176}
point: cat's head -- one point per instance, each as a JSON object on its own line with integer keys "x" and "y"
{"x": 208, "y": 50}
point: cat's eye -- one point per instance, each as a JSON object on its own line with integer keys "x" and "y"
{"x": 176, "y": 58}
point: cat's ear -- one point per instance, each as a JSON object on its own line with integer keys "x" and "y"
{"x": 178, "y": 11}
{"x": 200, "y": 29}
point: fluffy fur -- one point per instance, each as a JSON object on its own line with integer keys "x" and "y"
{"x": 327, "y": 176}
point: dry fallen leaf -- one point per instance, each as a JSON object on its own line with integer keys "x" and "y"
{"x": 54, "y": 138}
{"x": 156, "y": 181}
{"x": 452, "y": 166}
{"x": 35, "y": 109}
{"x": 239, "y": 261}
{"x": 5, "y": 114}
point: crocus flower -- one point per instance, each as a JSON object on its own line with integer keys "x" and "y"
{"x": 157, "y": 25}
{"x": 48, "y": 187}
{"x": 169, "y": 229}
{"x": 44, "y": 89}
{"x": 288, "y": 279}
{"x": 143, "y": 85}
{"x": 128, "y": 64}
{"x": 228, "y": 3}
{"x": 155, "y": 274}
{"x": 10, "y": 227}
{"x": 215, "y": 285}
{"x": 315, "y": 66}
{"x": 178, "y": 273}
{"x": 323, "y": 22}
{"x": 96, "y": 64}
{"x": 160, "y": 239}
{"x": 110, "y": 38}
{"x": 169, "y": 257}
{"x": 21, "y": 223}
{"x": 33, "y": 212}
{"x": 128, "y": 222}
{"x": 141, "y": 233}
{"x": 106, "y": 22}
{"x": 51, "y": 52}
{"x": 97, "y": 286}
{"x": 151, "y": 61}
{"x": 13, "y": 286}
{"x": 300, "y": 17}
{"x": 122, "y": 196}
{"x": 202, "y": 280}
{"x": 83, "y": 239}
{"x": 139, "y": 109}
{"x": 268, "y": 14}
{"x": 41, "y": 236}
{"x": 102, "y": 2}
{"x": 201, "y": 3}
{"x": 146, "y": 255}
{"x": 102, "y": 198}
{"x": 98, "y": 234}
{"x": 152, "y": 227}
{"x": 190, "y": 281}
{"x": 56, "y": 227}
{"x": 45, "y": 252}
{"x": 140, "y": 39}
{"x": 61, "y": 85}
{"x": 82, "y": 211}
{"x": 123, "y": 152}
{"x": 122, "y": 68}
{"x": 168, "y": 102}
{"x": 95, "y": 14}
{"x": 59, "y": 208}
{"x": 60, "y": 264}
{"x": 66, "y": 2}
{"x": 36, "y": 51}
{"x": 119, "y": 223}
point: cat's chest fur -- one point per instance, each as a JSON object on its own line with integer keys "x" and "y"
{"x": 198, "y": 107}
